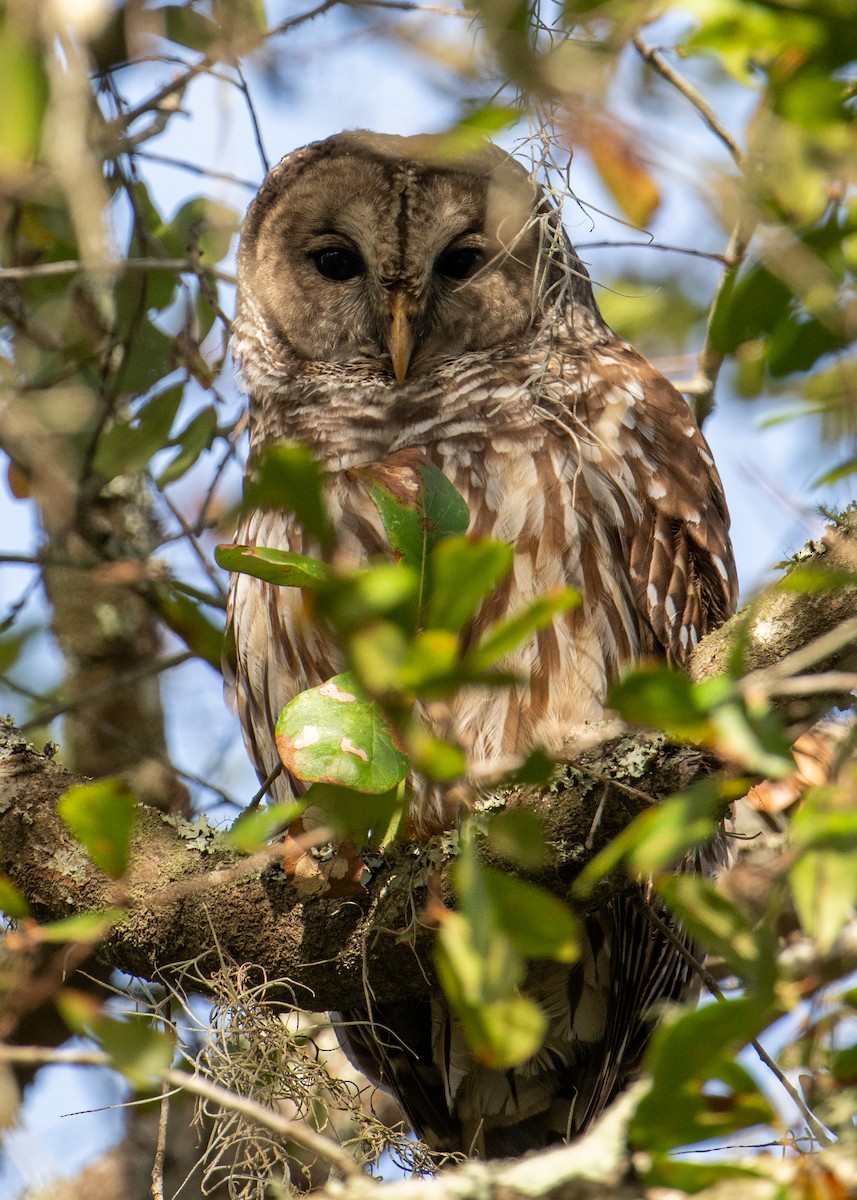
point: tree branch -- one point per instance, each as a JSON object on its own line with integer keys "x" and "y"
{"x": 190, "y": 899}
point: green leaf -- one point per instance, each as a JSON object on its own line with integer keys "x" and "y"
{"x": 140, "y": 1052}
{"x": 187, "y": 27}
{"x": 462, "y": 574}
{"x": 844, "y": 1065}
{"x": 538, "y": 924}
{"x": 288, "y": 478}
{"x": 720, "y": 925}
{"x": 810, "y": 577}
{"x": 201, "y": 223}
{"x": 435, "y": 758}
{"x": 24, "y": 91}
{"x": 688, "y": 1053}
{"x": 418, "y": 507}
{"x": 336, "y": 734}
{"x": 187, "y": 620}
{"x": 518, "y": 835}
{"x": 254, "y": 830}
{"x": 826, "y": 820}
{"x": 365, "y": 819}
{"x": 756, "y": 740}
{"x": 88, "y": 927}
{"x": 507, "y": 635}
{"x": 502, "y": 1027}
{"x": 387, "y": 589}
{"x": 691, "y": 1177}
{"x": 12, "y": 901}
{"x": 658, "y": 696}
{"x": 128, "y": 447}
{"x": 101, "y": 817}
{"x": 824, "y": 887}
{"x": 281, "y": 567}
{"x": 196, "y": 436}
{"x": 658, "y": 837}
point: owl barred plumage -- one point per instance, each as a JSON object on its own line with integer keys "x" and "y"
{"x": 395, "y": 304}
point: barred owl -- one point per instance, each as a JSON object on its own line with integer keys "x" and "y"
{"x": 397, "y": 305}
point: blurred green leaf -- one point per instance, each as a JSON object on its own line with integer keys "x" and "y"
{"x": 335, "y": 734}
{"x": 88, "y": 927}
{"x": 201, "y": 223}
{"x": 692, "y": 1177}
{"x": 843, "y": 1065}
{"x": 685, "y": 1055}
{"x": 809, "y": 577}
{"x": 128, "y": 446}
{"x": 13, "y": 903}
{"x": 518, "y": 835}
{"x": 538, "y": 924}
{"x": 281, "y": 567}
{"x": 365, "y": 819}
{"x": 288, "y": 478}
{"x": 657, "y": 839}
{"x": 824, "y": 887}
{"x": 507, "y": 635}
{"x": 187, "y": 26}
{"x": 101, "y": 817}
{"x": 197, "y": 435}
{"x": 463, "y": 573}
{"x": 187, "y": 620}
{"x": 502, "y": 1027}
{"x": 352, "y": 600}
{"x": 254, "y": 830}
{"x": 135, "y": 1048}
{"x": 439, "y": 760}
{"x": 718, "y": 923}
{"x": 23, "y": 97}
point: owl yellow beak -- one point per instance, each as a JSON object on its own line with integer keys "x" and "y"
{"x": 401, "y": 338}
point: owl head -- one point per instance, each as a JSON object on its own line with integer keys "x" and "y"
{"x": 386, "y": 255}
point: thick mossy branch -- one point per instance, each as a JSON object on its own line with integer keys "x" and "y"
{"x": 189, "y": 899}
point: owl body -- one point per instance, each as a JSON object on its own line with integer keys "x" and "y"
{"x": 397, "y": 307}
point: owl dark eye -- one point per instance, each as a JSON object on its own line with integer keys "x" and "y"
{"x": 459, "y": 264}
{"x": 338, "y": 263}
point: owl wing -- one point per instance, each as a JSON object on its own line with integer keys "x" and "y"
{"x": 679, "y": 556}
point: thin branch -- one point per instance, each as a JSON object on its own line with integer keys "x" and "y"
{"x": 813, "y": 1124}
{"x": 182, "y": 164}
{"x": 711, "y": 255}
{"x": 161, "y": 1146}
{"x": 115, "y": 684}
{"x": 701, "y": 386}
{"x": 74, "y": 266}
{"x": 295, "y": 1131}
{"x": 657, "y": 61}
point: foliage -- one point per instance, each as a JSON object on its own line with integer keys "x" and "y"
{"x": 122, "y": 433}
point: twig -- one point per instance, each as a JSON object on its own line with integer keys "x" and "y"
{"x": 161, "y": 1146}
{"x": 657, "y": 61}
{"x": 182, "y": 164}
{"x": 711, "y": 255}
{"x": 801, "y": 660}
{"x": 817, "y": 1129}
{"x": 811, "y": 685}
{"x": 73, "y": 266}
{"x": 295, "y": 1131}
{"x": 701, "y": 386}
{"x": 114, "y": 684}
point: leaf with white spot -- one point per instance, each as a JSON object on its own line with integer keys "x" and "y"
{"x": 336, "y": 734}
